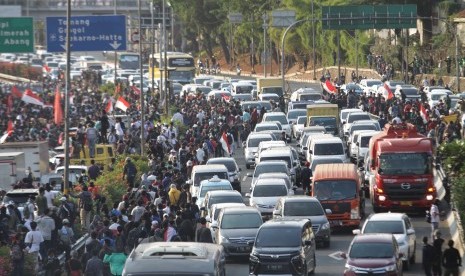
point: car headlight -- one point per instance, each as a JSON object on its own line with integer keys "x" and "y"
{"x": 223, "y": 240}
{"x": 254, "y": 258}
{"x": 325, "y": 226}
{"x": 391, "y": 267}
{"x": 350, "y": 267}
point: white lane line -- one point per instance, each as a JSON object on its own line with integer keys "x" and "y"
{"x": 336, "y": 255}
{"x": 244, "y": 178}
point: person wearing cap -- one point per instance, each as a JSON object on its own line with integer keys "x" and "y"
{"x": 65, "y": 211}
{"x": 130, "y": 172}
{"x": 66, "y": 235}
{"x": 305, "y": 175}
{"x": 437, "y": 245}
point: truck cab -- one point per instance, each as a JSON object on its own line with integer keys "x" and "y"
{"x": 326, "y": 115}
{"x": 337, "y": 187}
{"x": 401, "y": 162}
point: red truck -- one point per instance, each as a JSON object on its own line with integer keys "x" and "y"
{"x": 401, "y": 164}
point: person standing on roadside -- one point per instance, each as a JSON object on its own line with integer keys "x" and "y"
{"x": 428, "y": 256}
{"x": 437, "y": 244}
{"x": 434, "y": 211}
{"x": 451, "y": 260}
{"x": 305, "y": 175}
{"x": 91, "y": 137}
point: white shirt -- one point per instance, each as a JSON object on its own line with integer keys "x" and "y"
{"x": 46, "y": 225}
{"x": 137, "y": 212}
{"x": 49, "y": 196}
{"x": 200, "y": 154}
{"x": 434, "y": 211}
{"x": 119, "y": 129}
{"x": 34, "y": 238}
{"x": 177, "y": 117}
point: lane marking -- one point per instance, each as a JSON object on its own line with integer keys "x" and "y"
{"x": 336, "y": 255}
{"x": 244, "y": 178}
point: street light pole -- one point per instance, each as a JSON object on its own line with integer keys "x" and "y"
{"x": 116, "y": 55}
{"x": 67, "y": 88}
{"x": 142, "y": 94}
{"x": 165, "y": 59}
{"x": 457, "y": 58}
{"x": 265, "y": 54}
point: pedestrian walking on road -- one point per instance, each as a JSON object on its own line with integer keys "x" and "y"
{"x": 428, "y": 257}
{"x": 434, "y": 211}
{"x": 451, "y": 260}
{"x": 437, "y": 244}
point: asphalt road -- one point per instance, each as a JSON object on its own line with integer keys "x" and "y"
{"x": 328, "y": 259}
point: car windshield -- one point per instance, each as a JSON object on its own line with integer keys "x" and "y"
{"x": 322, "y": 121}
{"x": 259, "y": 127}
{"x": 405, "y": 163}
{"x": 269, "y": 168}
{"x": 205, "y": 189}
{"x": 371, "y": 83}
{"x": 225, "y": 199}
{"x": 310, "y": 97}
{"x": 371, "y": 250}
{"x": 200, "y": 176}
{"x": 301, "y": 120}
{"x": 410, "y": 91}
{"x": 325, "y": 161}
{"x": 287, "y": 159}
{"x": 241, "y": 221}
{"x": 362, "y": 127}
{"x": 436, "y": 97}
{"x": 19, "y": 199}
{"x": 230, "y": 165}
{"x": 269, "y": 190}
{"x": 364, "y": 141}
{"x": 273, "y": 90}
{"x": 357, "y": 117}
{"x": 293, "y": 114}
{"x": 278, "y": 237}
{"x": 328, "y": 149}
{"x": 254, "y": 142}
{"x": 278, "y": 118}
{"x": 385, "y": 227}
{"x": 303, "y": 208}
{"x": 335, "y": 189}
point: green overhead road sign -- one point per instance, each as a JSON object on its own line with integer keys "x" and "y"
{"x": 365, "y": 17}
{"x": 16, "y": 35}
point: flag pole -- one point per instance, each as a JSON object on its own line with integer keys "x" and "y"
{"x": 67, "y": 88}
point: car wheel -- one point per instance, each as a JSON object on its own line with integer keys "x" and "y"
{"x": 376, "y": 209}
{"x": 406, "y": 264}
{"x": 412, "y": 259}
{"x": 314, "y": 266}
{"x": 305, "y": 272}
{"x": 247, "y": 166}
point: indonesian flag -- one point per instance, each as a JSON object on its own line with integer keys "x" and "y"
{"x": 31, "y": 98}
{"x": 224, "y": 143}
{"x": 122, "y": 104}
{"x": 424, "y": 114}
{"x": 109, "y": 107}
{"x": 57, "y": 110}
{"x": 9, "y": 131}
{"x": 9, "y": 104}
{"x": 226, "y": 97}
{"x": 48, "y": 69}
{"x": 135, "y": 89}
{"x": 15, "y": 92}
{"x": 329, "y": 87}
{"x": 387, "y": 93}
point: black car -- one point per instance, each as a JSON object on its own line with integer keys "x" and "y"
{"x": 284, "y": 246}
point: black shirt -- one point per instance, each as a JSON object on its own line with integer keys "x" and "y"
{"x": 451, "y": 258}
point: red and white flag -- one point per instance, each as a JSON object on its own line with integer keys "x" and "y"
{"x": 387, "y": 93}
{"x": 329, "y": 87}
{"x": 135, "y": 89}
{"x": 224, "y": 143}
{"x": 226, "y": 97}
{"x": 57, "y": 109}
{"x": 9, "y": 131}
{"x": 48, "y": 69}
{"x": 15, "y": 92}
{"x": 122, "y": 104}
{"x": 109, "y": 106}
{"x": 31, "y": 98}
{"x": 424, "y": 114}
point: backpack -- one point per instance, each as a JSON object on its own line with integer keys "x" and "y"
{"x": 87, "y": 203}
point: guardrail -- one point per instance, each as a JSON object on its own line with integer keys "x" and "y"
{"x": 15, "y": 79}
{"x": 77, "y": 246}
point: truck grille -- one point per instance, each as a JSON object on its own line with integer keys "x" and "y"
{"x": 337, "y": 207}
{"x": 405, "y": 191}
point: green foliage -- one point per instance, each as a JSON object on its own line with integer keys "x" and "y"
{"x": 111, "y": 183}
{"x": 108, "y": 88}
{"x": 453, "y": 156}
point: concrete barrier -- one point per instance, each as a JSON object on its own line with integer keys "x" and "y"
{"x": 15, "y": 79}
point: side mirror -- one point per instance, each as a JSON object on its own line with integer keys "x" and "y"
{"x": 294, "y": 188}
{"x": 328, "y": 211}
{"x": 202, "y": 209}
{"x": 243, "y": 144}
{"x": 240, "y": 169}
{"x": 297, "y": 145}
{"x": 401, "y": 255}
{"x": 410, "y": 231}
{"x": 277, "y": 213}
{"x": 249, "y": 174}
{"x": 308, "y": 242}
{"x": 296, "y": 163}
{"x": 357, "y": 144}
{"x": 361, "y": 169}
{"x": 247, "y": 195}
{"x": 255, "y": 155}
{"x": 343, "y": 122}
{"x": 356, "y": 231}
{"x": 214, "y": 225}
{"x": 343, "y": 255}
{"x": 305, "y": 148}
{"x": 310, "y": 151}
{"x": 288, "y": 139}
{"x": 207, "y": 218}
{"x": 251, "y": 243}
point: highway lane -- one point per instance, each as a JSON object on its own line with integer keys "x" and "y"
{"x": 328, "y": 260}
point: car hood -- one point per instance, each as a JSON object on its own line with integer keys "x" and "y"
{"x": 272, "y": 200}
{"x": 277, "y": 250}
{"x": 239, "y": 233}
{"x": 251, "y": 149}
{"x": 314, "y": 219}
{"x": 370, "y": 263}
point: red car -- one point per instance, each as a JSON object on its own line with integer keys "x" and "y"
{"x": 373, "y": 254}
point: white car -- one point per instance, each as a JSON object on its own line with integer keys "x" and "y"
{"x": 278, "y": 117}
{"x": 215, "y": 211}
{"x": 293, "y": 114}
{"x": 251, "y": 146}
{"x": 436, "y": 95}
{"x": 213, "y": 184}
{"x": 298, "y": 126}
{"x": 400, "y": 226}
{"x": 353, "y": 117}
{"x": 266, "y": 194}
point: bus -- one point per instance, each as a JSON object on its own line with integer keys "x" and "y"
{"x": 124, "y": 60}
{"x": 181, "y": 66}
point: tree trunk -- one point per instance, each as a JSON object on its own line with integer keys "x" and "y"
{"x": 225, "y": 48}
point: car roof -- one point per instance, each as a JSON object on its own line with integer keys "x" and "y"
{"x": 23, "y": 191}
{"x": 228, "y": 205}
{"x": 299, "y": 198}
{"x": 240, "y": 210}
{"x": 230, "y": 159}
{"x": 223, "y": 193}
{"x": 386, "y": 216}
{"x": 259, "y": 135}
{"x": 285, "y": 222}
{"x": 326, "y": 140}
{"x": 387, "y": 238}
{"x": 209, "y": 182}
{"x": 209, "y": 167}
{"x": 270, "y": 182}
{"x": 267, "y": 162}
{"x": 273, "y": 175}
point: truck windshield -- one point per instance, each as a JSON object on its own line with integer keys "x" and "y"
{"x": 322, "y": 121}
{"x": 335, "y": 189}
{"x": 404, "y": 163}
{"x": 273, "y": 90}
{"x": 328, "y": 149}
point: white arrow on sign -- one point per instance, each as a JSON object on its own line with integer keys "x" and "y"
{"x": 64, "y": 46}
{"x": 336, "y": 255}
{"x": 115, "y": 45}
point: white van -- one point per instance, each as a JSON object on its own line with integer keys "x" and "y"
{"x": 267, "y": 145}
{"x": 363, "y": 142}
{"x": 241, "y": 88}
{"x": 324, "y": 147}
{"x": 313, "y": 136}
{"x": 205, "y": 172}
{"x": 284, "y": 154}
